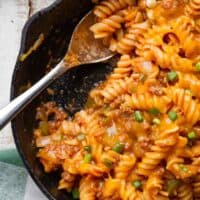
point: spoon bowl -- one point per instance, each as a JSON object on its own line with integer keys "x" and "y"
{"x": 83, "y": 49}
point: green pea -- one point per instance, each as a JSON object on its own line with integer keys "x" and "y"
{"x": 143, "y": 78}
{"x": 87, "y": 158}
{"x": 81, "y": 137}
{"x": 172, "y": 185}
{"x": 87, "y": 148}
{"x": 197, "y": 66}
{"x": 138, "y": 116}
{"x": 118, "y": 147}
{"x": 62, "y": 137}
{"x": 75, "y": 193}
{"x": 108, "y": 163}
{"x": 171, "y": 76}
{"x": 192, "y": 135}
{"x": 183, "y": 168}
{"x": 173, "y": 116}
{"x": 137, "y": 184}
{"x": 154, "y": 111}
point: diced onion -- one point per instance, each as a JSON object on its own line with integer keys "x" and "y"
{"x": 111, "y": 130}
{"x": 72, "y": 142}
{"x": 55, "y": 137}
{"x": 43, "y": 141}
{"x": 150, "y": 14}
{"x": 151, "y": 3}
{"x": 147, "y": 67}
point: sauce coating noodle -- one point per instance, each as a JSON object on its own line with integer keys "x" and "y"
{"x": 138, "y": 138}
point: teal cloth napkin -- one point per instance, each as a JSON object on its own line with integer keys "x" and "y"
{"x": 12, "y": 182}
{"x": 15, "y": 184}
{"x": 13, "y": 176}
{"x": 11, "y": 156}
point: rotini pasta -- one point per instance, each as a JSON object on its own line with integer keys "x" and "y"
{"x": 185, "y": 192}
{"x": 67, "y": 181}
{"x": 196, "y": 186}
{"x": 111, "y": 91}
{"x": 190, "y": 82}
{"x": 154, "y": 188}
{"x": 124, "y": 166}
{"x": 107, "y": 26}
{"x": 123, "y": 69}
{"x": 146, "y": 102}
{"x": 193, "y": 8}
{"x": 133, "y": 38}
{"x": 189, "y": 106}
{"x": 107, "y": 8}
{"x": 87, "y": 188}
{"x": 138, "y": 137}
{"x": 158, "y": 152}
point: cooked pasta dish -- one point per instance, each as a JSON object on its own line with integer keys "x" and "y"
{"x": 138, "y": 136}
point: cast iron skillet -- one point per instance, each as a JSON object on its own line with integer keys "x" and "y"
{"x": 56, "y": 23}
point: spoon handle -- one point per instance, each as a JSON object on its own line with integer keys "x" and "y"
{"x": 10, "y": 111}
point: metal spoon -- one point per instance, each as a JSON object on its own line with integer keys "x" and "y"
{"x": 83, "y": 49}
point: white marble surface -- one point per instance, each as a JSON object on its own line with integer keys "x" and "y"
{"x": 32, "y": 192}
{"x": 13, "y": 15}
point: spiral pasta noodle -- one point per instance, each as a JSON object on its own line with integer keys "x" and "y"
{"x": 189, "y": 81}
{"x": 145, "y": 102}
{"x": 67, "y": 181}
{"x": 133, "y": 38}
{"x": 189, "y": 106}
{"x": 169, "y": 60}
{"x": 196, "y": 186}
{"x": 185, "y": 192}
{"x": 183, "y": 28}
{"x": 155, "y": 188}
{"x": 150, "y": 163}
{"x": 87, "y": 188}
{"x": 193, "y": 8}
{"x": 138, "y": 136}
{"x": 123, "y": 69}
{"x": 97, "y": 149}
{"x": 111, "y": 91}
{"x": 107, "y": 26}
{"x": 197, "y": 25}
{"x": 124, "y": 166}
{"x": 107, "y": 8}
{"x": 127, "y": 192}
{"x": 177, "y": 165}
{"x": 93, "y": 125}
{"x": 158, "y": 151}
{"x": 133, "y": 15}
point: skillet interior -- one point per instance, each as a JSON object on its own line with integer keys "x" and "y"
{"x": 57, "y": 23}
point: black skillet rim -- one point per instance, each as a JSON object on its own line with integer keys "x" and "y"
{"x": 12, "y": 96}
